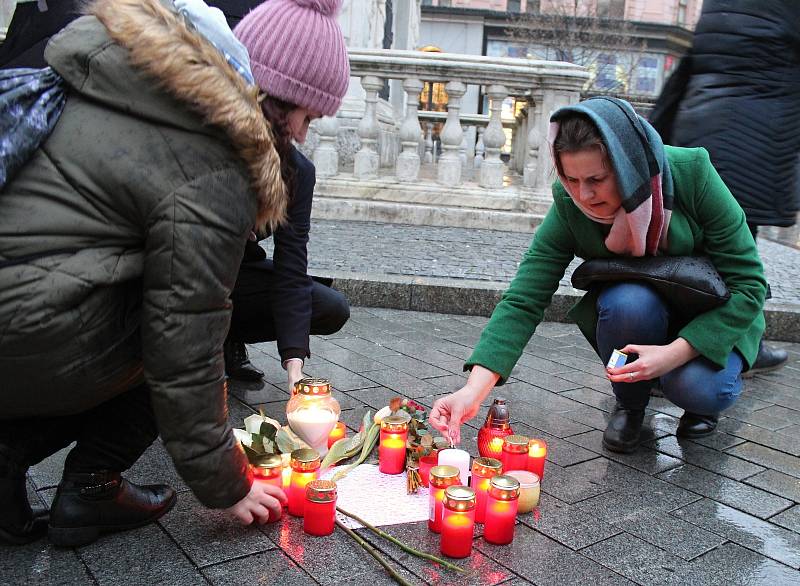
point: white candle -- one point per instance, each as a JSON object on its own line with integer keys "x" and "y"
{"x": 313, "y": 426}
{"x": 457, "y": 458}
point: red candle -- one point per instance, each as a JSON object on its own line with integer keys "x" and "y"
{"x": 483, "y": 470}
{"x": 501, "y": 509}
{"x": 425, "y": 465}
{"x": 537, "y": 450}
{"x": 305, "y": 469}
{"x": 337, "y": 433}
{"x": 270, "y": 470}
{"x": 320, "y": 508}
{"x": 392, "y": 446}
{"x": 458, "y": 521}
{"x": 515, "y": 453}
{"x": 440, "y": 478}
{"x": 495, "y": 428}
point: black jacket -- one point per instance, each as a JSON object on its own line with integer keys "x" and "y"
{"x": 738, "y": 95}
{"x": 291, "y": 290}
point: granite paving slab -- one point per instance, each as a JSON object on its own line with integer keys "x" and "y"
{"x": 269, "y": 567}
{"x": 644, "y": 459}
{"x": 673, "y": 535}
{"x": 790, "y": 519}
{"x": 703, "y": 457}
{"x": 635, "y": 559}
{"x": 768, "y": 458}
{"x": 571, "y": 526}
{"x": 777, "y": 483}
{"x": 42, "y": 564}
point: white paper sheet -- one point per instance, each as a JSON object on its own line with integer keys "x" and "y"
{"x": 379, "y": 499}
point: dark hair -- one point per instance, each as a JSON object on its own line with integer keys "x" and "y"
{"x": 277, "y": 113}
{"x": 576, "y": 132}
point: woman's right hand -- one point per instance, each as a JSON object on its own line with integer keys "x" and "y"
{"x": 448, "y": 413}
{"x": 263, "y": 503}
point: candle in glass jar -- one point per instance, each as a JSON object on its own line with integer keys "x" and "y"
{"x": 483, "y": 470}
{"x": 440, "y": 478}
{"x": 425, "y": 465}
{"x": 528, "y": 490}
{"x": 392, "y": 446}
{"x": 458, "y": 521}
{"x": 501, "y": 509}
{"x": 494, "y": 429}
{"x": 269, "y": 469}
{"x": 312, "y": 412}
{"x": 305, "y": 469}
{"x": 338, "y": 432}
{"x": 459, "y": 459}
{"x": 319, "y": 516}
{"x": 537, "y": 450}
{"x": 515, "y": 453}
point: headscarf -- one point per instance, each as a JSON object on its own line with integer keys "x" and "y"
{"x": 639, "y": 227}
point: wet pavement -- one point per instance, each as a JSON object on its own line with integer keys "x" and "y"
{"x": 720, "y": 510}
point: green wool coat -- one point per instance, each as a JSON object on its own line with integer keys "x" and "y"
{"x": 706, "y": 219}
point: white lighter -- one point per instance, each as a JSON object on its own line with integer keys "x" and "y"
{"x": 617, "y": 359}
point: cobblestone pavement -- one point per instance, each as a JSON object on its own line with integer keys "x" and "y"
{"x": 483, "y": 255}
{"x": 720, "y": 510}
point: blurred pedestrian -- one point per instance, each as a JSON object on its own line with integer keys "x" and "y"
{"x": 737, "y": 94}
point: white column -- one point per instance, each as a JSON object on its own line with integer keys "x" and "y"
{"x": 366, "y": 160}
{"x": 326, "y": 155}
{"x": 536, "y": 151}
{"x": 449, "y": 172}
{"x": 480, "y": 149}
{"x": 429, "y": 142}
{"x": 407, "y": 168}
{"x": 493, "y": 169}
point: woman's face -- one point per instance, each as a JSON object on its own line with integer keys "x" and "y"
{"x": 592, "y": 180}
{"x": 298, "y": 120}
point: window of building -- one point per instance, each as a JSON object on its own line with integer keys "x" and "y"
{"x": 533, "y": 6}
{"x": 611, "y": 8}
{"x": 513, "y": 5}
{"x": 682, "y": 11}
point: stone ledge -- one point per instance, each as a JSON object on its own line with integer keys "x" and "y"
{"x": 471, "y": 297}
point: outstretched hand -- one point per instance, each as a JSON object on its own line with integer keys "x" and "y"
{"x": 263, "y": 503}
{"x": 449, "y": 412}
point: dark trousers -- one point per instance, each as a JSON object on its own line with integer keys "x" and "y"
{"x": 111, "y": 436}
{"x": 252, "y": 320}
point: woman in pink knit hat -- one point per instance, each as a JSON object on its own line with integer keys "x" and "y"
{"x": 299, "y": 61}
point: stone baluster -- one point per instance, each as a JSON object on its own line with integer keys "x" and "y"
{"x": 462, "y": 148}
{"x": 429, "y": 142}
{"x": 367, "y": 161}
{"x": 535, "y": 154}
{"x": 407, "y": 168}
{"x": 326, "y": 155}
{"x": 449, "y": 172}
{"x": 480, "y": 149}
{"x": 493, "y": 168}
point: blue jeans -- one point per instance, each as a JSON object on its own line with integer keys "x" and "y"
{"x": 633, "y": 313}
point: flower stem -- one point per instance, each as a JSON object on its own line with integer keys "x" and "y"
{"x": 401, "y": 545}
{"x": 374, "y": 553}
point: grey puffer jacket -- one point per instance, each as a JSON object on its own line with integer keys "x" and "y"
{"x": 121, "y": 238}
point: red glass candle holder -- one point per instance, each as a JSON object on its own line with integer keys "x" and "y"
{"x": 270, "y": 470}
{"x": 305, "y": 469}
{"x": 483, "y": 470}
{"x": 537, "y": 452}
{"x": 319, "y": 516}
{"x": 425, "y": 465}
{"x": 392, "y": 446}
{"x": 515, "y": 453}
{"x": 458, "y": 521}
{"x": 501, "y": 509}
{"x": 440, "y": 478}
{"x": 495, "y": 428}
{"x": 338, "y": 432}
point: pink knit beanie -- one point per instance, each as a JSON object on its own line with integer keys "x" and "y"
{"x": 297, "y": 52}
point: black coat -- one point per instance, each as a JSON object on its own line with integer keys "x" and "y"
{"x": 291, "y": 288}
{"x": 739, "y": 97}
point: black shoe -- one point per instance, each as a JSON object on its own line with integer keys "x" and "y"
{"x": 693, "y": 425}
{"x": 19, "y": 524}
{"x": 624, "y": 430}
{"x": 237, "y": 363}
{"x": 90, "y": 504}
{"x": 769, "y": 358}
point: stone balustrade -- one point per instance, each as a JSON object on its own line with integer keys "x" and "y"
{"x": 465, "y": 168}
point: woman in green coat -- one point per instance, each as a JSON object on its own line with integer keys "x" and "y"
{"x": 621, "y": 192}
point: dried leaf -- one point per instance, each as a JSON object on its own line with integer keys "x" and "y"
{"x": 395, "y": 404}
{"x": 426, "y": 441}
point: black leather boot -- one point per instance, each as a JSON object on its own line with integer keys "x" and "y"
{"x": 90, "y": 504}
{"x": 693, "y": 425}
{"x": 19, "y": 524}
{"x": 237, "y": 363}
{"x": 624, "y": 429}
{"x": 768, "y": 359}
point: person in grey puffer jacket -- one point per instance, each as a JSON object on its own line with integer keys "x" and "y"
{"x": 120, "y": 241}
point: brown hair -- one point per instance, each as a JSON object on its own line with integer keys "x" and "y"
{"x": 576, "y": 132}
{"x": 277, "y": 113}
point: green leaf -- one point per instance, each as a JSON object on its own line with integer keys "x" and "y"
{"x": 258, "y": 443}
{"x": 269, "y": 446}
{"x": 369, "y": 443}
{"x": 268, "y": 430}
{"x": 252, "y": 455}
{"x": 285, "y": 442}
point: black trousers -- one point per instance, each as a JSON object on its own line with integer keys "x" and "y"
{"x": 252, "y": 320}
{"x": 111, "y": 436}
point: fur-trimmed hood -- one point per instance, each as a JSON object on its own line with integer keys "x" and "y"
{"x": 159, "y": 45}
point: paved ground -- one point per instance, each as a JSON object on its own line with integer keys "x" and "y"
{"x": 723, "y": 510}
